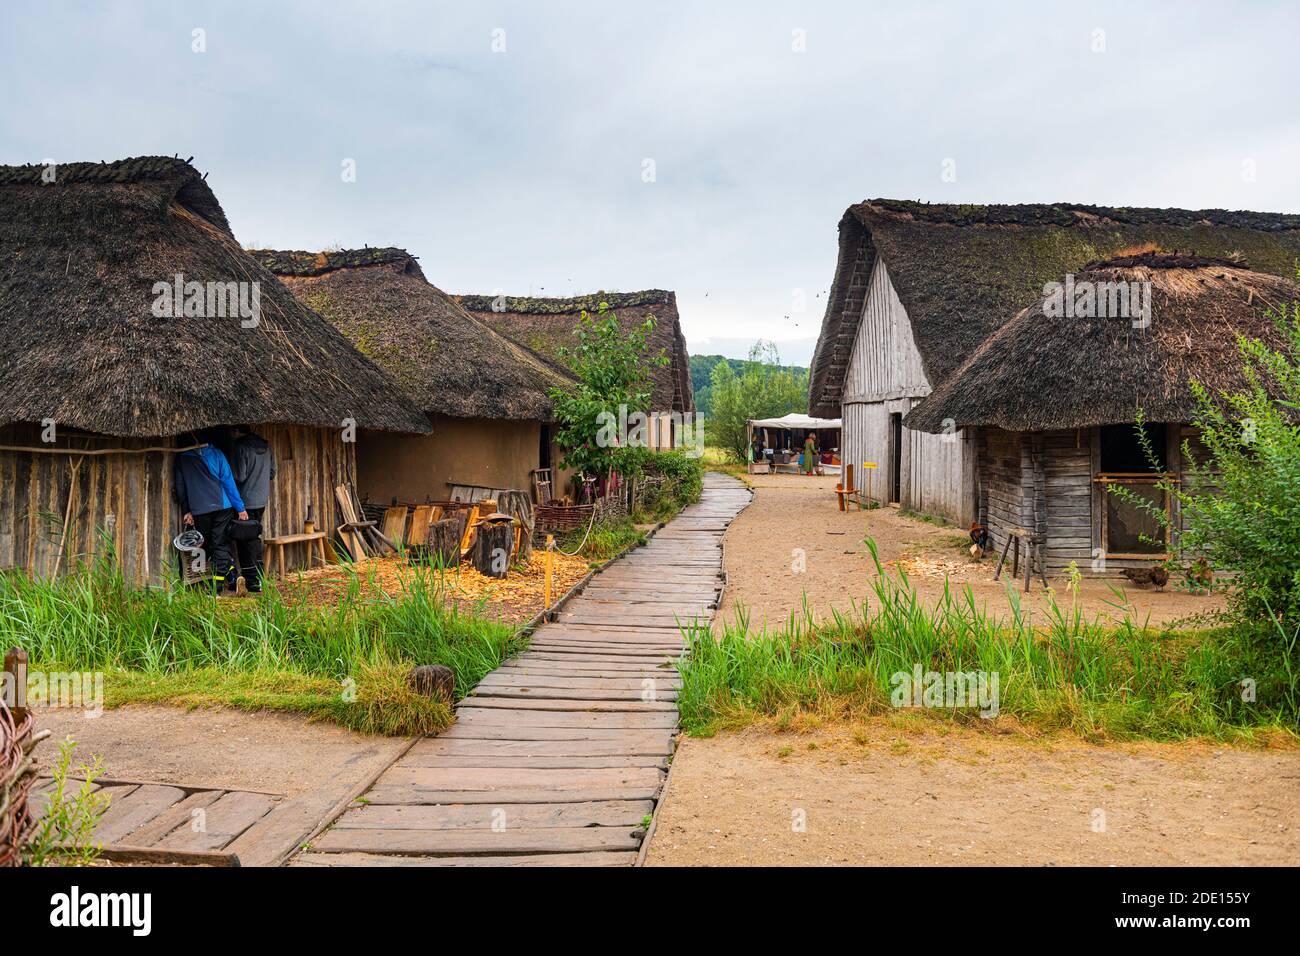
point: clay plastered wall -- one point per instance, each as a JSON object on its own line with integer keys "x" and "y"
{"x": 466, "y": 451}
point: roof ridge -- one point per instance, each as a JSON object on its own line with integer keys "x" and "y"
{"x": 1069, "y": 214}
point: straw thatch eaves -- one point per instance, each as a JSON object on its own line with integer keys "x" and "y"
{"x": 448, "y": 362}
{"x": 547, "y": 325}
{"x": 82, "y": 255}
{"x": 961, "y": 271}
{"x": 1043, "y": 371}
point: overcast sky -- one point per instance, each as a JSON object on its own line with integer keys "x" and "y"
{"x": 524, "y": 168}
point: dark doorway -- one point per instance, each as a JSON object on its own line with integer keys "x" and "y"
{"x": 1128, "y": 527}
{"x": 544, "y": 448}
{"x": 895, "y": 457}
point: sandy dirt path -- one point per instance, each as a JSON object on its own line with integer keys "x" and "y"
{"x": 880, "y": 795}
{"x": 279, "y": 753}
{"x": 910, "y": 791}
{"x": 796, "y": 512}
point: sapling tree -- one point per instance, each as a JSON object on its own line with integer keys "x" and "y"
{"x": 614, "y": 369}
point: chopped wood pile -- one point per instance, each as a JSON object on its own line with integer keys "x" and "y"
{"x": 440, "y": 533}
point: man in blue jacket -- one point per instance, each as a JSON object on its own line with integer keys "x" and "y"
{"x": 208, "y": 498}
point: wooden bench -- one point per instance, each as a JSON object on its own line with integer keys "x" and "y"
{"x": 315, "y": 541}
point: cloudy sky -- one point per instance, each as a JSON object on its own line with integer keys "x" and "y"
{"x": 559, "y": 148}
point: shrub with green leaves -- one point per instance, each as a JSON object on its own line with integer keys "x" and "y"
{"x": 613, "y": 369}
{"x": 1240, "y": 506}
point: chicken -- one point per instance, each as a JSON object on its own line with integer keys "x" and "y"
{"x": 979, "y": 540}
{"x": 1145, "y": 577}
{"x": 1200, "y": 575}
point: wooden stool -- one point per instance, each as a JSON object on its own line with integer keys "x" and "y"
{"x": 1033, "y": 551}
{"x": 315, "y": 541}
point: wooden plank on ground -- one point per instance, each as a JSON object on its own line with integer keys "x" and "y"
{"x": 460, "y": 842}
{"x": 522, "y": 816}
{"x": 126, "y": 814}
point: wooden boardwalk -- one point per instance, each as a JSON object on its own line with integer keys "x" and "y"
{"x": 559, "y": 756}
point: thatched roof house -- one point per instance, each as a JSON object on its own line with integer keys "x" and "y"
{"x": 919, "y": 287}
{"x": 98, "y": 347}
{"x": 1040, "y": 371}
{"x": 487, "y": 396}
{"x": 1050, "y": 399}
{"x": 82, "y": 255}
{"x": 547, "y": 324}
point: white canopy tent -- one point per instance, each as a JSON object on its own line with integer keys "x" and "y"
{"x": 794, "y": 422}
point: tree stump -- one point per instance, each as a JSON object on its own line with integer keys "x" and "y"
{"x": 444, "y": 540}
{"x": 519, "y": 504}
{"x": 433, "y": 680}
{"x": 490, "y": 552}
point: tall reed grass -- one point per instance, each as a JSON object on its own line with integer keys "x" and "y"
{"x": 1056, "y": 670}
{"x": 345, "y": 661}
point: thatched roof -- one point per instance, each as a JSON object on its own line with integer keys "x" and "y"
{"x": 82, "y": 344}
{"x": 547, "y": 325}
{"x": 448, "y": 362}
{"x": 1043, "y": 371}
{"x": 961, "y": 271}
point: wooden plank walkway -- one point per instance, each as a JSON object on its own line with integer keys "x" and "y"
{"x": 559, "y": 756}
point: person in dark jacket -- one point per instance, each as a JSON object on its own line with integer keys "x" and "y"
{"x": 208, "y": 498}
{"x": 254, "y": 470}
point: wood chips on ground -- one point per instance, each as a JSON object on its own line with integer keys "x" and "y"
{"x": 513, "y": 599}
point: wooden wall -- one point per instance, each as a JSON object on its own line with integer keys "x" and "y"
{"x": 127, "y": 498}
{"x": 884, "y": 377}
{"x": 1069, "y": 510}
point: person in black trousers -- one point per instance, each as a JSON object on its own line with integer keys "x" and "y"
{"x": 254, "y": 470}
{"x": 209, "y": 500}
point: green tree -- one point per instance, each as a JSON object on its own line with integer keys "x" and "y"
{"x": 763, "y": 388}
{"x": 613, "y": 369}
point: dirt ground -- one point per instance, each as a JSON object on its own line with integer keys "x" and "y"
{"x": 891, "y": 794}
{"x": 906, "y": 790}
{"x": 796, "y": 511}
{"x": 279, "y": 753}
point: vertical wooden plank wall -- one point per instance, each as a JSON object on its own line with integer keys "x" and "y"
{"x": 127, "y": 498}
{"x": 884, "y": 376}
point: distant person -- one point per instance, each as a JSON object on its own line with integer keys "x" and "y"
{"x": 254, "y": 470}
{"x": 205, "y": 490}
{"x": 809, "y": 454}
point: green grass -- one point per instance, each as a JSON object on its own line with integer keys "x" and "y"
{"x": 607, "y": 539}
{"x": 723, "y": 460}
{"x": 1056, "y": 670}
{"x": 346, "y": 662}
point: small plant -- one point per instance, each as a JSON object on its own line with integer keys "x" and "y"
{"x": 65, "y": 835}
{"x": 646, "y": 821}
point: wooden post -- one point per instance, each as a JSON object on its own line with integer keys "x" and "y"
{"x": 444, "y": 539}
{"x": 550, "y": 552}
{"x": 493, "y": 544}
{"x": 16, "y": 668}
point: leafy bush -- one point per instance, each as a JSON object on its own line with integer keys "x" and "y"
{"x": 65, "y": 834}
{"x": 675, "y": 481}
{"x": 1241, "y": 506}
{"x": 613, "y": 369}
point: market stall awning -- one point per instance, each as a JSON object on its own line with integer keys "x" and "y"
{"x": 795, "y": 420}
